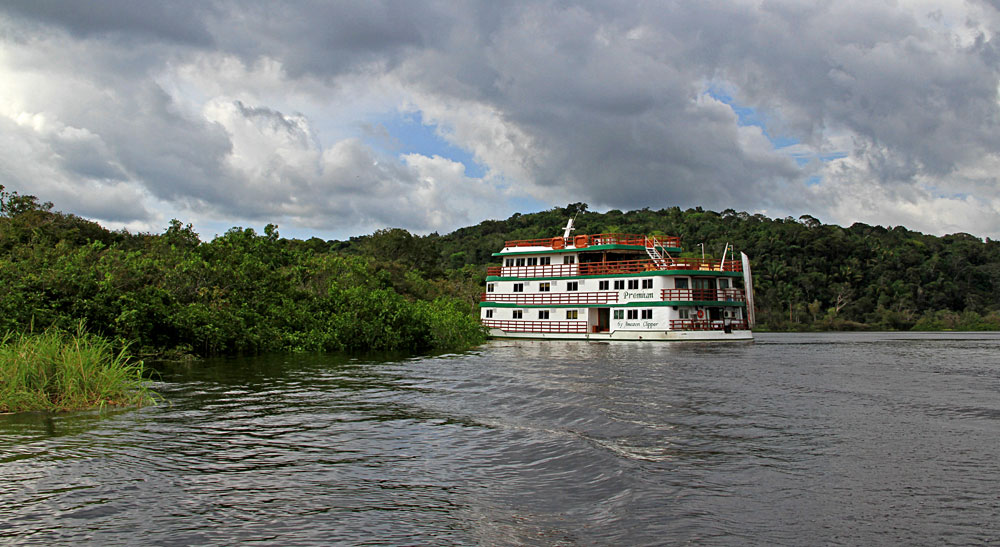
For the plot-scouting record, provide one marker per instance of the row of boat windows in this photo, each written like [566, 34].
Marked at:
[542, 314]
[688, 313]
[633, 314]
[683, 313]
[547, 287]
[619, 285]
[536, 261]
[575, 314]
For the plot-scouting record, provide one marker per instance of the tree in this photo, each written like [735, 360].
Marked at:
[13, 204]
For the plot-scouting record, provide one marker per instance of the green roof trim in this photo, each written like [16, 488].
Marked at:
[641, 304]
[610, 247]
[701, 273]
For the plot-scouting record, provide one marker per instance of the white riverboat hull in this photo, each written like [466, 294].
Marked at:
[610, 287]
[625, 335]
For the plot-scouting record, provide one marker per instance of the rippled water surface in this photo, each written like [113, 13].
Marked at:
[794, 439]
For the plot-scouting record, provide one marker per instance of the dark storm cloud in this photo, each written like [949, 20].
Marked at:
[179, 158]
[617, 104]
[174, 21]
[877, 73]
[613, 103]
[621, 112]
[276, 120]
[327, 38]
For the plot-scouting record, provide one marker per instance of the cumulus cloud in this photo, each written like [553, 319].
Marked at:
[882, 112]
[279, 168]
[31, 149]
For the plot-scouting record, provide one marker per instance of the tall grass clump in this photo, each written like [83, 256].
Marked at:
[58, 370]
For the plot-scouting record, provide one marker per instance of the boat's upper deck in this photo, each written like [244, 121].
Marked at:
[592, 242]
[620, 267]
[601, 255]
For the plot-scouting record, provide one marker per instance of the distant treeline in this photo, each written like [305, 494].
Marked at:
[242, 292]
[245, 292]
[807, 275]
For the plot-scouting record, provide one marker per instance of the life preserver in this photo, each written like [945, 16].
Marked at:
[558, 243]
[701, 313]
[580, 241]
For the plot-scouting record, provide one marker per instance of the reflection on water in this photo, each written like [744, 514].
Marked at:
[828, 438]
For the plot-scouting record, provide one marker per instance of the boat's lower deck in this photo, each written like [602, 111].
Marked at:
[634, 335]
[644, 321]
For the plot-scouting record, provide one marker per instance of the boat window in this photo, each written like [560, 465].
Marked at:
[647, 314]
[517, 314]
[704, 283]
[633, 284]
[632, 314]
[681, 282]
[572, 286]
[543, 287]
[519, 262]
[533, 261]
[603, 285]
[545, 260]
[489, 287]
[543, 314]
[619, 284]
[619, 314]
[509, 262]
[572, 314]
[723, 283]
[518, 287]
[647, 283]
[569, 260]
[489, 314]
[684, 313]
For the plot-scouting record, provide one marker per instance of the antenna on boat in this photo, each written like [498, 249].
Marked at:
[569, 228]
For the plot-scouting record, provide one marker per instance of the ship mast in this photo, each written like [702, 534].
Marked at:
[569, 228]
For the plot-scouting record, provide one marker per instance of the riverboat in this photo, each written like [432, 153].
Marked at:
[616, 287]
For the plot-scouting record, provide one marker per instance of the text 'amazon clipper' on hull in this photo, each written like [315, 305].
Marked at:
[616, 287]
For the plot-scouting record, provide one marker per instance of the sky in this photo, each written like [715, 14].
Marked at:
[335, 119]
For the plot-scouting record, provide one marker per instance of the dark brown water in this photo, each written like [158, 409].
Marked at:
[854, 439]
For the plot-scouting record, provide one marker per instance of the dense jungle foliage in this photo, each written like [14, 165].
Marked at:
[242, 292]
[807, 275]
[245, 292]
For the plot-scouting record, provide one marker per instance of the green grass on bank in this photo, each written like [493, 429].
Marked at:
[57, 370]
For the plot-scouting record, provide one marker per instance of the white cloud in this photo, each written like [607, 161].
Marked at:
[256, 112]
[283, 172]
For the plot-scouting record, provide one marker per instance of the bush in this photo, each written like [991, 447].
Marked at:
[56, 370]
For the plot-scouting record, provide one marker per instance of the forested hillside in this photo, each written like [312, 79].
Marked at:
[807, 275]
[242, 292]
[245, 292]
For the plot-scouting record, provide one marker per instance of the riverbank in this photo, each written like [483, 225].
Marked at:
[59, 371]
[887, 320]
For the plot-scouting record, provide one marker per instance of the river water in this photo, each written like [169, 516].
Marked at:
[853, 439]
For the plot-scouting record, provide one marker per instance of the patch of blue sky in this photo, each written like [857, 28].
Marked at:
[823, 158]
[409, 134]
[939, 192]
[747, 116]
[832, 156]
[526, 204]
[801, 159]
